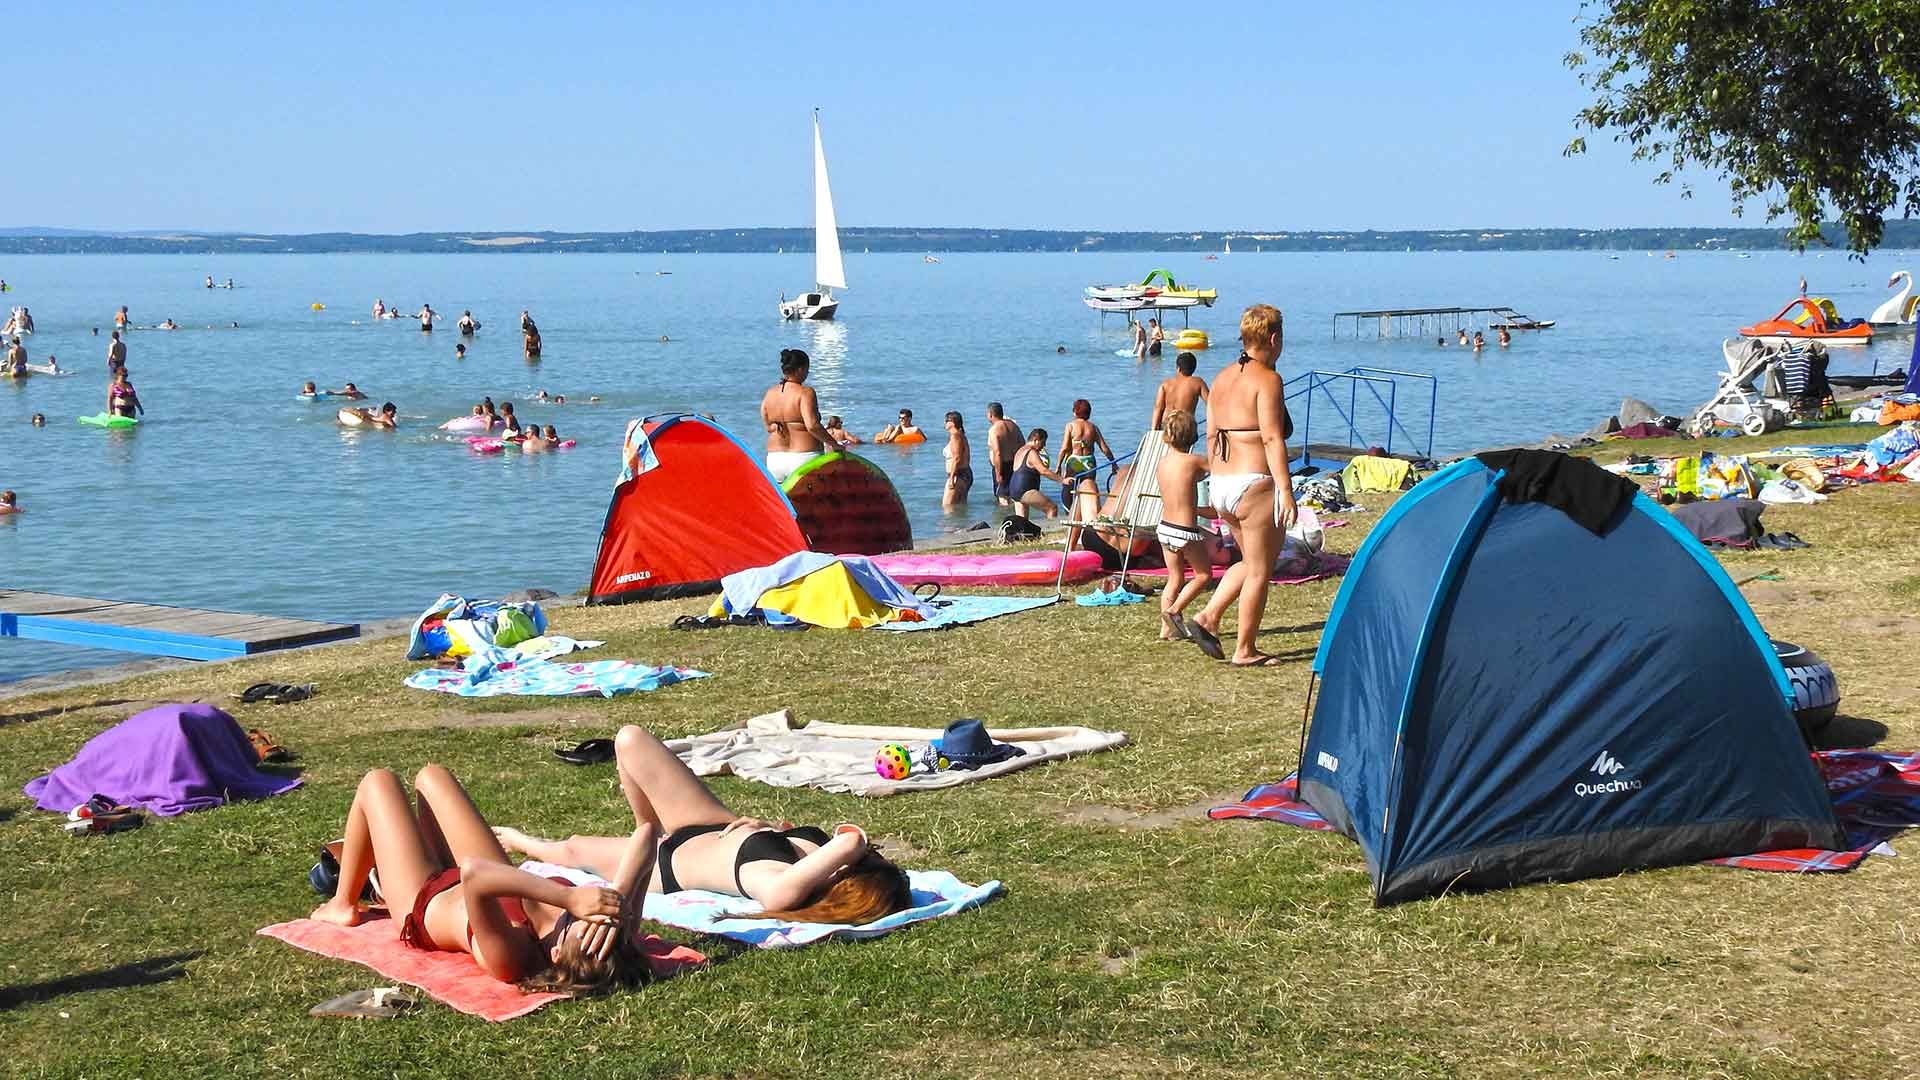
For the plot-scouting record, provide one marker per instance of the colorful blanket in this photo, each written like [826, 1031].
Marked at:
[936, 894]
[952, 611]
[450, 978]
[544, 678]
[1298, 570]
[1875, 795]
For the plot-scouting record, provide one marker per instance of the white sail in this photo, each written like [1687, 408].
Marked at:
[827, 269]
[1229, 248]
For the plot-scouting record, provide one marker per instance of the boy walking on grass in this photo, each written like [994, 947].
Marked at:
[1183, 543]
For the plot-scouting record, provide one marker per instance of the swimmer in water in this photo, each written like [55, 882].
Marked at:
[9, 502]
[487, 407]
[460, 351]
[506, 413]
[349, 391]
[426, 317]
[39, 419]
[229, 283]
[169, 324]
[468, 324]
[121, 398]
[541, 395]
[379, 308]
[209, 281]
[1479, 341]
[120, 318]
[387, 417]
[840, 434]
[308, 390]
[1506, 338]
[1463, 337]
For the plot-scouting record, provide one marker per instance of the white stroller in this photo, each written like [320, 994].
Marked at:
[1742, 399]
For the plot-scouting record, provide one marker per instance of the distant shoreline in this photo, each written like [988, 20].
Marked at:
[792, 241]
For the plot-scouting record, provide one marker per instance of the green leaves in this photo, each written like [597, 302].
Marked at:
[1812, 105]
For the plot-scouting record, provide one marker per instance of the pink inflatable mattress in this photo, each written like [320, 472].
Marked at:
[1010, 568]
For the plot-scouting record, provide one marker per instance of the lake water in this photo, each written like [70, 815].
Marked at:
[231, 494]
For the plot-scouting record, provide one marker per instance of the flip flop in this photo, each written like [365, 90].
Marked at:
[1173, 622]
[1206, 640]
[102, 824]
[290, 693]
[379, 1003]
[590, 752]
[1264, 661]
[258, 692]
[265, 748]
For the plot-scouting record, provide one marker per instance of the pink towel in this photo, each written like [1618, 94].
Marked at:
[451, 978]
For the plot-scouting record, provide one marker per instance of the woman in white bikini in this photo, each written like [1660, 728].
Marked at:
[1247, 455]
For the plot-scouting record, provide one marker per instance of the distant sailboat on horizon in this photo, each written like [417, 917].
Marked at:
[828, 271]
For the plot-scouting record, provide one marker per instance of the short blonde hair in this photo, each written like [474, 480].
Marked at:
[1260, 322]
[1178, 429]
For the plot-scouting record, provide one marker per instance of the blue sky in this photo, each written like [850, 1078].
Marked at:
[403, 118]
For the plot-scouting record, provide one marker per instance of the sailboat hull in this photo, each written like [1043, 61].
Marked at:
[814, 307]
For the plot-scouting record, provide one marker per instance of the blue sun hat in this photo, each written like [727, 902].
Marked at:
[965, 745]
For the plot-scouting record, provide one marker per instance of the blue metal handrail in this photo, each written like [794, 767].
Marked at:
[1313, 384]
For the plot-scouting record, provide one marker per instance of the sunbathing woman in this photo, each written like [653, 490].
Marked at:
[443, 873]
[802, 875]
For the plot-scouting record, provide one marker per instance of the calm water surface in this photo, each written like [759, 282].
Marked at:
[232, 494]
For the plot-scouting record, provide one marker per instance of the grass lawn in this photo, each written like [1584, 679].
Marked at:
[1136, 937]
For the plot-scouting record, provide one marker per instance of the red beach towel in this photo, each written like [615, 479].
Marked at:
[451, 978]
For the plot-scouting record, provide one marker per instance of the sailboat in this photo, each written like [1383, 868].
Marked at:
[1228, 250]
[828, 273]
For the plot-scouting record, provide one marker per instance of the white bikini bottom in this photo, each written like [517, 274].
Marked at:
[1229, 488]
[781, 463]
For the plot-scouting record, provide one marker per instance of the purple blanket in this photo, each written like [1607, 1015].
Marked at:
[169, 760]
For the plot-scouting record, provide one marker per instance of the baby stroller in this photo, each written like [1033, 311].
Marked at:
[1740, 401]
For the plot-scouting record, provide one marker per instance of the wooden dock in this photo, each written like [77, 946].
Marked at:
[154, 629]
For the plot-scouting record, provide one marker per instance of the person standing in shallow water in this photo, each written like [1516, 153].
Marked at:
[790, 412]
[1181, 392]
[959, 455]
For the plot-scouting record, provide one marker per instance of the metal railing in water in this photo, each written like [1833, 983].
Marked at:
[1384, 385]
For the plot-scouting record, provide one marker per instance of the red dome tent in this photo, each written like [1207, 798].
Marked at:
[693, 505]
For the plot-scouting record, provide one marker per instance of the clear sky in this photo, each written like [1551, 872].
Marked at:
[417, 117]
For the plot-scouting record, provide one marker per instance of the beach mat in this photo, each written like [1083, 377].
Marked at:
[773, 750]
[1295, 571]
[451, 978]
[936, 894]
[544, 678]
[955, 611]
[1875, 796]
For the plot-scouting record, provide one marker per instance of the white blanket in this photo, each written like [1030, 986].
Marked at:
[839, 757]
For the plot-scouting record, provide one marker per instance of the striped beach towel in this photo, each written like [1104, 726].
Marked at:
[1875, 795]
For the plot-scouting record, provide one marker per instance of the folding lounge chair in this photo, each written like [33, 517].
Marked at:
[1137, 508]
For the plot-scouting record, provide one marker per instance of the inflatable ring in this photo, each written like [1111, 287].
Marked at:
[319, 307]
[1192, 339]
[1816, 692]
[909, 439]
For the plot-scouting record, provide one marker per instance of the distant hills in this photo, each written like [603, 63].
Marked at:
[31, 240]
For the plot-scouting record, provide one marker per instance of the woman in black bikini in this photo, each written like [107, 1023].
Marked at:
[802, 875]
[446, 877]
[1029, 467]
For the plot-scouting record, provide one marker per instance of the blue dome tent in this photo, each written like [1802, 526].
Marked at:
[1532, 673]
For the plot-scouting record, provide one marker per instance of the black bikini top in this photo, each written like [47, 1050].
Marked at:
[772, 846]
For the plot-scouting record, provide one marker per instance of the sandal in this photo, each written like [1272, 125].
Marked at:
[288, 694]
[1206, 640]
[379, 1003]
[265, 748]
[1264, 661]
[119, 820]
[590, 752]
[258, 692]
[1172, 621]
